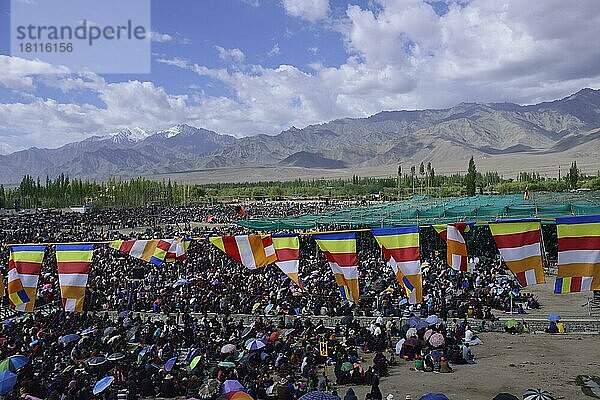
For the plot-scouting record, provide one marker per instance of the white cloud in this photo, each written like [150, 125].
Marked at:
[160, 37]
[46, 122]
[177, 61]
[310, 10]
[253, 3]
[235, 56]
[275, 50]
[400, 55]
[19, 73]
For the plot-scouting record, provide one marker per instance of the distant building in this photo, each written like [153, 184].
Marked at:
[81, 209]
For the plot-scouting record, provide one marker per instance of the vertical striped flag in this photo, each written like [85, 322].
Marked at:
[287, 249]
[519, 243]
[24, 267]
[177, 250]
[340, 251]
[252, 251]
[456, 253]
[400, 247]
[441, 229]
[153, 251]
[73, 261]
[578, 254]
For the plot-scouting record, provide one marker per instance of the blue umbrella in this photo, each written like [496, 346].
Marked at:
[103, 384]
[246, 332]
[255, 344]
[413, 321]
[180, 282]
[192, 354]
[95, 361]
[66, 339]
[421, 324]
[116, 357]
[7, 382]
[434, 396]
[231, 385]
[402, 301]
[14, 363]
[432, 319]
[109, 331]
[170, 364]
[317, 396]
[554, 317]
[88, 331]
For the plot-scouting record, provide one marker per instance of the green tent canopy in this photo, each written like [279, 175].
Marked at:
[425, 210]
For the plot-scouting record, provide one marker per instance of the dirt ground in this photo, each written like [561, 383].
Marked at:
[569, 306]
[511, 363]
[505, 363]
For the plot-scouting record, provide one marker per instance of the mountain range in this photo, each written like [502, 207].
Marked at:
[495, 133]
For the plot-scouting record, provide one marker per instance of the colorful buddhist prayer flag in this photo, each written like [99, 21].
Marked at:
[400, 247]
[340, 251]
[456, 253]
[24, 267]
[519, 243]
[73, 261]
[287, 249]
[177, 250]
[578, 254]
[441, 229]
[252, 251]
[153, 251]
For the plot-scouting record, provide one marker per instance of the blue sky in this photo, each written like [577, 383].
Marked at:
[245, 67]
[195, 29]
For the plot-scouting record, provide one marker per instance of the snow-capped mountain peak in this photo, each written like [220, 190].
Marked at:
[178, 130]
[129, 135]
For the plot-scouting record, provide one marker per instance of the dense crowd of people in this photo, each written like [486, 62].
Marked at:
[181, 301]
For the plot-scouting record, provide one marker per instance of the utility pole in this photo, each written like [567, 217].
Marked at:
[399, 180]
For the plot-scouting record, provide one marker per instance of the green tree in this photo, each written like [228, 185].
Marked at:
[429, 182]
[471, 178]
[399, 178]
[573, 176]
